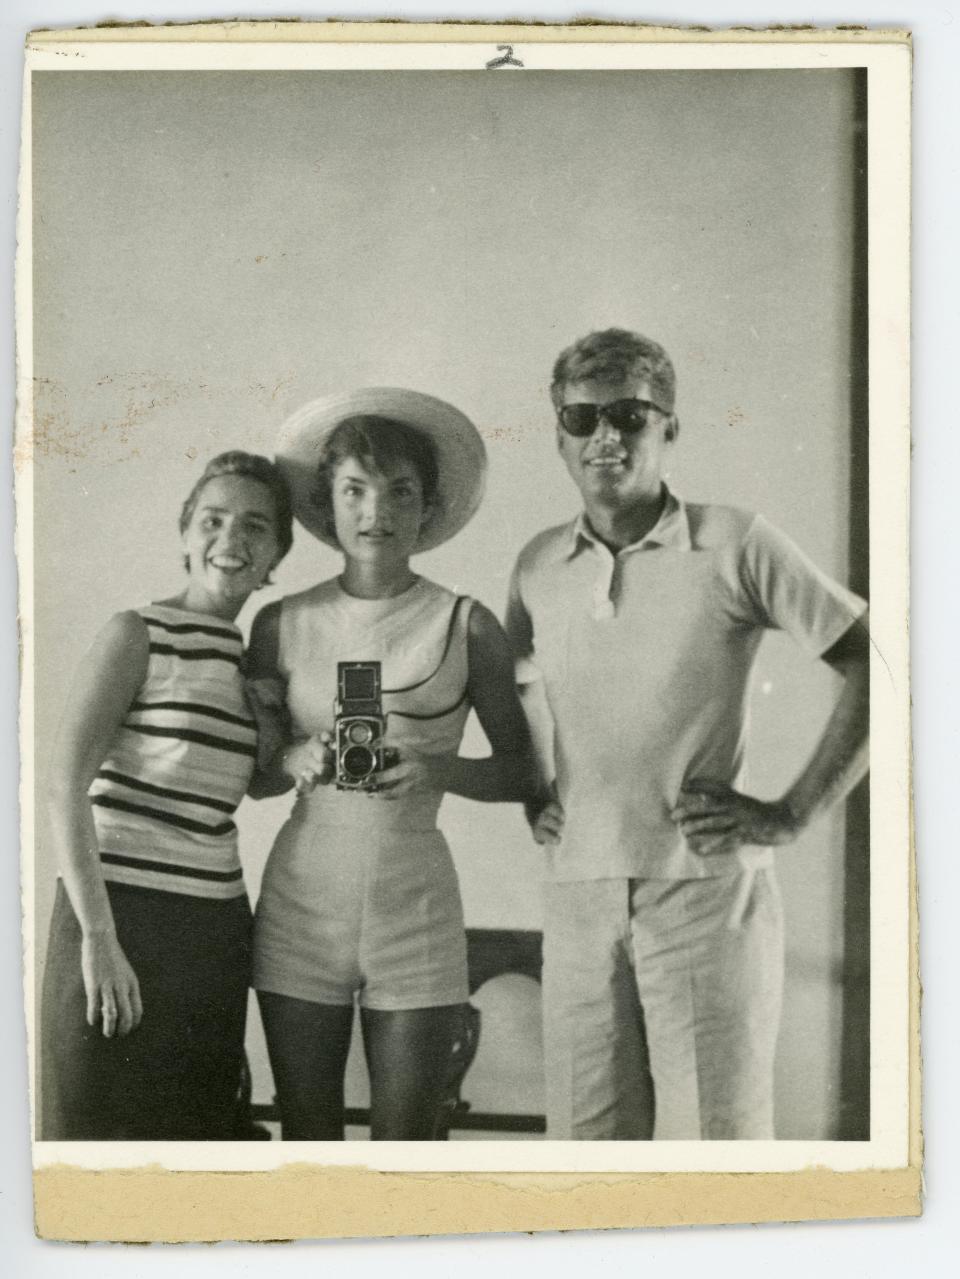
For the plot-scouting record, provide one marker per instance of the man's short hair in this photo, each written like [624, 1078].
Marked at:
[614, 354]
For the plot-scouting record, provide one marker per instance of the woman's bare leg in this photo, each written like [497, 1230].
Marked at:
[308, 1045]
[408, 1056]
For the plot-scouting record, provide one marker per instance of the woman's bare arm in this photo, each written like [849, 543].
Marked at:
[105, 686]
[261, 669]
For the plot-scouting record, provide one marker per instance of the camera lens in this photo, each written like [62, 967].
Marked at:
[358, 762]
[360, 734]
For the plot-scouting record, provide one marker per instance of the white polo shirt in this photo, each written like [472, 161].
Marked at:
[646, 658]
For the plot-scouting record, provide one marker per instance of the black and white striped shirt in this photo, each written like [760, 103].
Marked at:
[165, 796]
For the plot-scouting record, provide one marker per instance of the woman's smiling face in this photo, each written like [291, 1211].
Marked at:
[378, 515]
[231, 543]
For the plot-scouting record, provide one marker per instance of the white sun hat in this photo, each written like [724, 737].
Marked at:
[459, 448]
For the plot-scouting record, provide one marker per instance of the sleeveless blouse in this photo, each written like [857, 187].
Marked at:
[420, 639]
[164, 798]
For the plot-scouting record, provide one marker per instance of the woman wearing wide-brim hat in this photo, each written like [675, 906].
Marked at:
[360, 900]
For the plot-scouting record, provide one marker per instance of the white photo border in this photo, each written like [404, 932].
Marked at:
[888, 65]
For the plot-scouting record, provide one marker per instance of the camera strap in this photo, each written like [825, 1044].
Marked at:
[447, 710]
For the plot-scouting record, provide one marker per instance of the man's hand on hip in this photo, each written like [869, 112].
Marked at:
[715, 818]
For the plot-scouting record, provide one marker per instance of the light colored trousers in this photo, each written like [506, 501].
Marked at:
[661, 1007]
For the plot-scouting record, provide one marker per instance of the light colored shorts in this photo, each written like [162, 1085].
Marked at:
[661, 1007]
[372, 915]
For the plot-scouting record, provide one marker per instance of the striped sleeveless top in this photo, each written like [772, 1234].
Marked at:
[164, 798]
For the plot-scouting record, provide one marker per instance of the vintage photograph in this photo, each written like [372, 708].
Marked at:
[448, 489]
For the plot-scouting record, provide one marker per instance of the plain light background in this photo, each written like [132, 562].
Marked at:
[886, 1248]
[212, 249]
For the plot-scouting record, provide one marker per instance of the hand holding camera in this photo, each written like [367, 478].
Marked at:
[409, 771]
[310, 763]
[363, 760]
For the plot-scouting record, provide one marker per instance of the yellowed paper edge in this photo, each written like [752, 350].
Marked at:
[589, 31]
[304, 1201]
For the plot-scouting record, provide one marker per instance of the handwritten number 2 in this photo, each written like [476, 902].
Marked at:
[506, 59]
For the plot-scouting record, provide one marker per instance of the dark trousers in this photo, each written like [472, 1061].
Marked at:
[175, 1078]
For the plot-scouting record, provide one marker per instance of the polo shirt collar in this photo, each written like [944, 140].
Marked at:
[672, 530]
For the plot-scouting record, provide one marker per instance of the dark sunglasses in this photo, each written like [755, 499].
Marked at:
[626, 416]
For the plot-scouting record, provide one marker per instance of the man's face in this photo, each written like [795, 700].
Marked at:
[611, 467]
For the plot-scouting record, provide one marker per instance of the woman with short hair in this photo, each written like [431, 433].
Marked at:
[147, 970]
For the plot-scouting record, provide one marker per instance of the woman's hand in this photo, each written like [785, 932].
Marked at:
[310, 763]
[410, 772]
[113, 992]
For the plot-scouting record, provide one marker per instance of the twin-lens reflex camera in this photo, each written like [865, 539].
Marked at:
[359, 726]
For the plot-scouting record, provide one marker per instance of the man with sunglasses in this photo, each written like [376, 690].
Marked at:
[635, 629]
